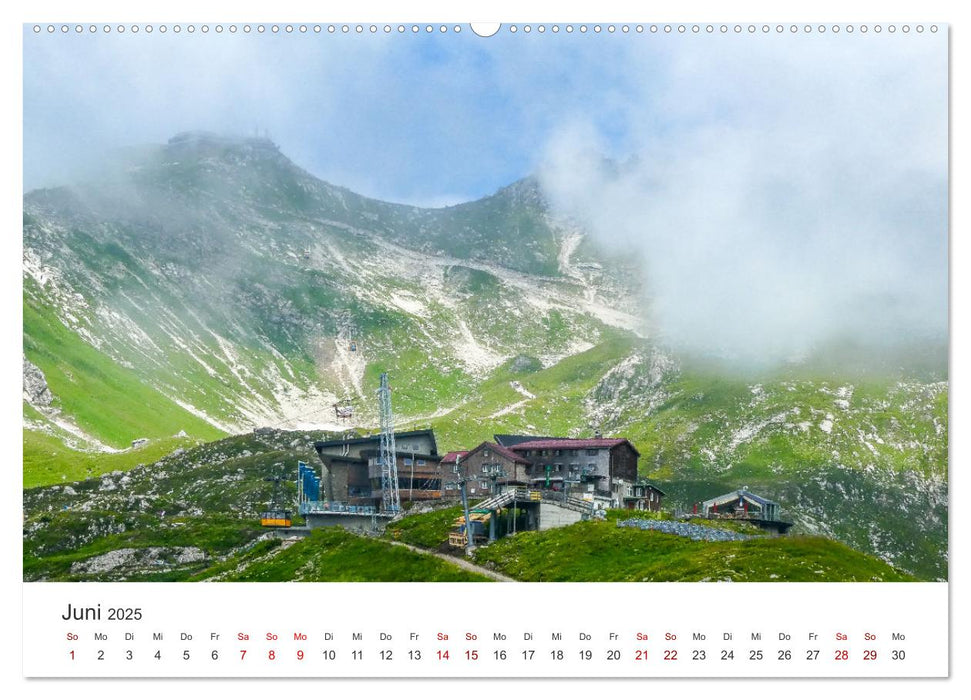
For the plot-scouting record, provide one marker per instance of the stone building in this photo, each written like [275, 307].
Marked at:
[488, 468]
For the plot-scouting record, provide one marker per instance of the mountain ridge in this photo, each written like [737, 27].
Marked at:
[209, 289]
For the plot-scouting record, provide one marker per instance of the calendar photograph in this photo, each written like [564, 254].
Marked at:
[468, 303]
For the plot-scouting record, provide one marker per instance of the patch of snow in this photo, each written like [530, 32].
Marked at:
[198, 413]
[408, 303]
[521, 389]
[574, 347]
[747, 432]
[509, 409]
[478, 359]
[73, 429]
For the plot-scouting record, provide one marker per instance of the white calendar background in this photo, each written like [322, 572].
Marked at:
[919, 611]
[494, 630]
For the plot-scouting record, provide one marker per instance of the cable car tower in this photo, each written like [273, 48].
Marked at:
[390, 499]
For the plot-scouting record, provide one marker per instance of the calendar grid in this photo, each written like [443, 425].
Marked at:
[654, 630]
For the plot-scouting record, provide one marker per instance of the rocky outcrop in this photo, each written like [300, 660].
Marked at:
[139, 559]
[36, 391]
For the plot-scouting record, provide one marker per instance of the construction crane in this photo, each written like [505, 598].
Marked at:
[390, 498]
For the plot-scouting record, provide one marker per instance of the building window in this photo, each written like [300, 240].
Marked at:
[593, 452]
[421, 463]
[484, 484]
[407, 461]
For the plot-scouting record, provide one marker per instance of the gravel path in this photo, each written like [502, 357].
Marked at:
[462, 563]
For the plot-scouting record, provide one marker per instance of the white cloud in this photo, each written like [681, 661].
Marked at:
[786, 194]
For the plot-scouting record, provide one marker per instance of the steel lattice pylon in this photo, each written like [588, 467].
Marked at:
[390, 499]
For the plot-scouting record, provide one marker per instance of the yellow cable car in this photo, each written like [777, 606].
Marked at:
[275, 518]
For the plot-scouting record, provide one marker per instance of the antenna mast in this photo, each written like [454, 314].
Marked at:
[390, 499]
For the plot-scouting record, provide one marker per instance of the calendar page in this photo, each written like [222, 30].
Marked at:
[373, 348]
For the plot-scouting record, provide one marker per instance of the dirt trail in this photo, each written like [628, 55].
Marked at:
[461, 563]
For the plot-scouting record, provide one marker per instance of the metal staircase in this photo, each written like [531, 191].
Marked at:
[526, 495]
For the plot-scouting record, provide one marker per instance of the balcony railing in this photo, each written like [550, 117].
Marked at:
[321, 507]
[411, 494]
[426, 471]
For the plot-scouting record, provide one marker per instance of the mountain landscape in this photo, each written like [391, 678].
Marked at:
[187, 294]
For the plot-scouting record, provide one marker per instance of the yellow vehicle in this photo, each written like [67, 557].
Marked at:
[275, 518]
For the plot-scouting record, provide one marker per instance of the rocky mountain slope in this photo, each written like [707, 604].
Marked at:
[246, 292]
[209, 286]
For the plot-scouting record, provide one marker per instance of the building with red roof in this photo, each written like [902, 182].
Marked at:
[602, 467]
[451, 458]
[490, 466]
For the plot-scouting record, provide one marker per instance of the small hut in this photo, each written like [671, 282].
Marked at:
[742, 504]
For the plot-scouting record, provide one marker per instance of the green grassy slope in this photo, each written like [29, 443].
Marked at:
[558, 408]
[124, 407]
[429, 530]
[47, 461]
[600, 551]
[61, 542]
[170, 502]
[336, 555]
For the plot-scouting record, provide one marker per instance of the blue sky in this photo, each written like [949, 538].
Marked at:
[436, 117]
[426, 118]
[802, 177]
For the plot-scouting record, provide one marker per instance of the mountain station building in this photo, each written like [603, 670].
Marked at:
[351, 471]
